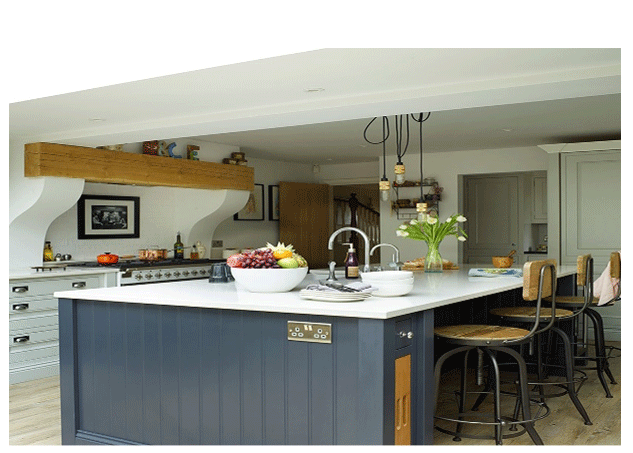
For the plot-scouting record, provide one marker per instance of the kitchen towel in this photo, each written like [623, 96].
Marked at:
[605, 288]
[495, 272]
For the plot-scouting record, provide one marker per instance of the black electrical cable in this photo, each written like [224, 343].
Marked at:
[385, 136]
[421, 120]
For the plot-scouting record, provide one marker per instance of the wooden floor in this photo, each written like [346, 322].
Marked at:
[34, 416]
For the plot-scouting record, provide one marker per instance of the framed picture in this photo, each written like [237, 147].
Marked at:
[273, 202]
[108, 217]
[254, 209]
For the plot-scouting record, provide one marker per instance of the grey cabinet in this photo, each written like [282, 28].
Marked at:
[33, 324]
[539, 198]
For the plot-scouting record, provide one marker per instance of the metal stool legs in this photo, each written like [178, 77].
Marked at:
[494, 381]
[602, 362]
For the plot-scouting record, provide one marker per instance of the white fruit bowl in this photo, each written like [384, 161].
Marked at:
[269, 280]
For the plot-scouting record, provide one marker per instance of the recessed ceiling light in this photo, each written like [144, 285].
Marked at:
[96, 120]
[507, 130]
[313, 90]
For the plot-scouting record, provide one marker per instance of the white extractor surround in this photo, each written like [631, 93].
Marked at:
[36, 203]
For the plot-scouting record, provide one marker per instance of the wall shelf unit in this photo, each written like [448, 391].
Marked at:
[405, 208]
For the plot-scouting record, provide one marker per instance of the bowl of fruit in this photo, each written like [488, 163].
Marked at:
[270, 269]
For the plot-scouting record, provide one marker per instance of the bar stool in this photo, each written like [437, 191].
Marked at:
[528, 315]
[490, 340]
[576, 303]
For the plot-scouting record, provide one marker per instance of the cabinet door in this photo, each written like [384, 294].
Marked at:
[591, 206]
[493, 209]
[539, 199]
[403, 401]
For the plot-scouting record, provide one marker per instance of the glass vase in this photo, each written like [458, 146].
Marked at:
[433, 260]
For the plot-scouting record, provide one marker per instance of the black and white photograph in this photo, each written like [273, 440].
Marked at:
[108, 217]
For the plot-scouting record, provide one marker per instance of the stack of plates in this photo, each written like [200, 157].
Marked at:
[333, 296]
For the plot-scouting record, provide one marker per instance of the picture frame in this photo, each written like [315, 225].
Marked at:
[254, 209]
[108, 217]
[273, 202]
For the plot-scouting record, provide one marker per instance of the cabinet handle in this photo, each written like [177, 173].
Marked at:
[408, 335]
[21, 307]
[20, 289]
[79, 284]
[22, 339]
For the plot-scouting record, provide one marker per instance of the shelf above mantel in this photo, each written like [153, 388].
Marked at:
[106, 166]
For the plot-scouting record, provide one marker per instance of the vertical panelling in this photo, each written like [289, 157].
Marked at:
[251, 379]
[169, 395]
[372, 401]
[275, 345]
[321, 395]
[152, 360]
[101, 333]
[166, 375]
[297, 387]
[230, 405]
[345, 344]
[210, 330]
[86, 366]
[189, 376]
[118, 362]
[134, 372]
[423, 384]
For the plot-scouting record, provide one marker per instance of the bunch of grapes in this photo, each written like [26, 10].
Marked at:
[262, 258]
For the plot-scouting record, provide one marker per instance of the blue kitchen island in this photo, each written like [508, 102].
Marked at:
[198, 363]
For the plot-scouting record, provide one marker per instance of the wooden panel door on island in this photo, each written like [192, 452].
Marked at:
[304, 220]
[402, 412]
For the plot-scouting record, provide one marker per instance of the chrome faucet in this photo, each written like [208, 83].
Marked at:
[330, 244]
[395, 257]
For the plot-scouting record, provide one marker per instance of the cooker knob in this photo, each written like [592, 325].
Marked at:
[185, 273]
[138, 277]
[167, 274]
[203, 271]
[194, 273]
[148, 275]
[176, 274]
[159, 275]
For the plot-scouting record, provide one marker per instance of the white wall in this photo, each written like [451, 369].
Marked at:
[253, 233]
[446, 167]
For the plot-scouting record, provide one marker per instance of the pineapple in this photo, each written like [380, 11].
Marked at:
[281, 250]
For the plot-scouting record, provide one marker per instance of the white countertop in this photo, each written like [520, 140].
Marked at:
[59, 273]
[430, 291]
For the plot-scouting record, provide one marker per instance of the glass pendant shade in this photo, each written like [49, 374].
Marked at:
[384, 187]
[399, 171]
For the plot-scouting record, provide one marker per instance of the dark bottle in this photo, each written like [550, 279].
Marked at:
[179, 248]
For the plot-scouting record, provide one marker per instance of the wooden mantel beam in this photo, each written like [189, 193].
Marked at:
[106, 166]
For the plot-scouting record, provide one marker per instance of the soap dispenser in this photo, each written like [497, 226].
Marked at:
[351, 262]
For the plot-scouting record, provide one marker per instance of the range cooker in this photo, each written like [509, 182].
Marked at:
[136, 272]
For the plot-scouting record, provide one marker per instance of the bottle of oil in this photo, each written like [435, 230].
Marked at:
[48, 251]
[179, 248]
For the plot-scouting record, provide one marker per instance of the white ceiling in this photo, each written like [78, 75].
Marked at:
[267, 106]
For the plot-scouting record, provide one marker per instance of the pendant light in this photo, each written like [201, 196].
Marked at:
[421, 206]
[399, 169]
